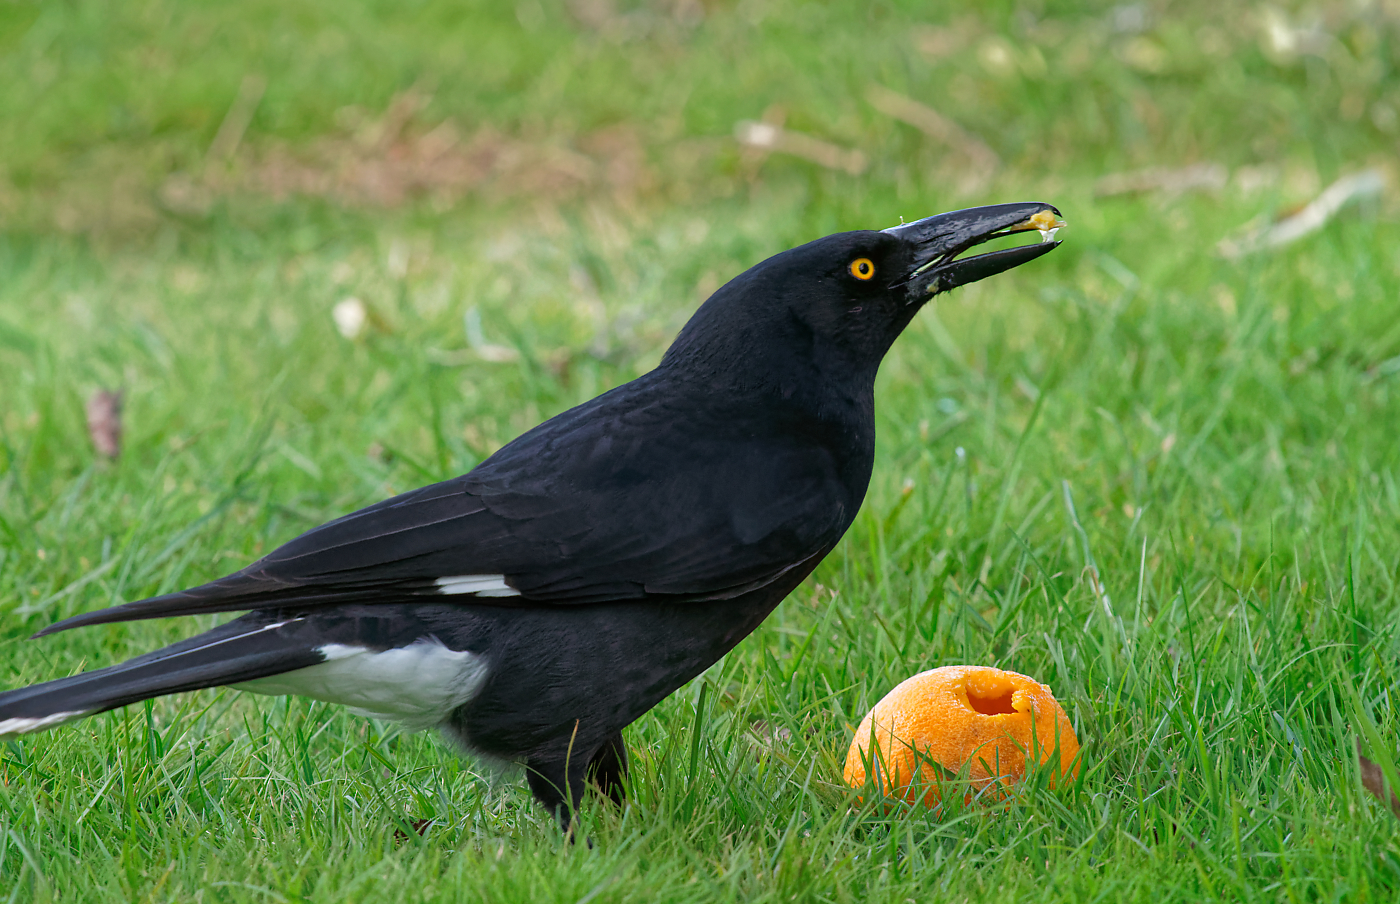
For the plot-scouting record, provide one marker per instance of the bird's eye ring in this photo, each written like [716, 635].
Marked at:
[862, 268]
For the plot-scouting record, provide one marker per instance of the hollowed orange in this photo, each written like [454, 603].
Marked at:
[956, 716]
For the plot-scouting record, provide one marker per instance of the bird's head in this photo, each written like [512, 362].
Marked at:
[830, 309]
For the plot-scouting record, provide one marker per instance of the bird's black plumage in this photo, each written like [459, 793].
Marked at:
[535, 606]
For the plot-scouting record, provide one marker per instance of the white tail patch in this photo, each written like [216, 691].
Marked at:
[18, 726]
[418, 685]
[477, 584]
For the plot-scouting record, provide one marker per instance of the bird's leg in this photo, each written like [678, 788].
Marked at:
[549, 781]
[608, 769]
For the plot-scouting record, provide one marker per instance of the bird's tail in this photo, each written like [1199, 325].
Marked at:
[245, 649]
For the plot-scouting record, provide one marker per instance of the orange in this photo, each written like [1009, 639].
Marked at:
[955, 716]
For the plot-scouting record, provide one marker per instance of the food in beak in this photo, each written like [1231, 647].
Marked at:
[1045, 222]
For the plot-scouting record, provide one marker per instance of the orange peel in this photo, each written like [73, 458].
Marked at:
[960, 716]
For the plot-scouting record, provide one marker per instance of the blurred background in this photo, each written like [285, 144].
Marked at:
[564, 181]
[151, 120]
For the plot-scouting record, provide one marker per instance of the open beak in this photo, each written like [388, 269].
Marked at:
[939, 239]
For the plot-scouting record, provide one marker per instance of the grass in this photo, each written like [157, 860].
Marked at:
[1163, 482]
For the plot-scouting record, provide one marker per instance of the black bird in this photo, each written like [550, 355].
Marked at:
[535, 606]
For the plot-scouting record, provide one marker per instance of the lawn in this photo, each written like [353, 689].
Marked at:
[1161, 479]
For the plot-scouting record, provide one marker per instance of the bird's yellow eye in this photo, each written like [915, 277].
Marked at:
[862, 268]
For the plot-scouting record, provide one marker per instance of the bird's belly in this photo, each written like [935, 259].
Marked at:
[418, 685]
[577, 675]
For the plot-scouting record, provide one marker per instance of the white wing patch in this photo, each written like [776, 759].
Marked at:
[418, 685]
[18, 726]
[478, 584]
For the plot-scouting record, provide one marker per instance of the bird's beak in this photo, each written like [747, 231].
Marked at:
[939, 240]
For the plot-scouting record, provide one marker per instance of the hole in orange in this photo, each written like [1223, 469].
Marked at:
[998, 704]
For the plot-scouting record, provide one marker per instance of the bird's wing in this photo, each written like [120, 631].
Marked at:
[628, 503]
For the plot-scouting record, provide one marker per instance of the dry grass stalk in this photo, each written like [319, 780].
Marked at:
[104, 421]
[1172, 180]
[1373, 780]
[1365, 185]
[765, 136]
[936, 126]
[236, 120]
